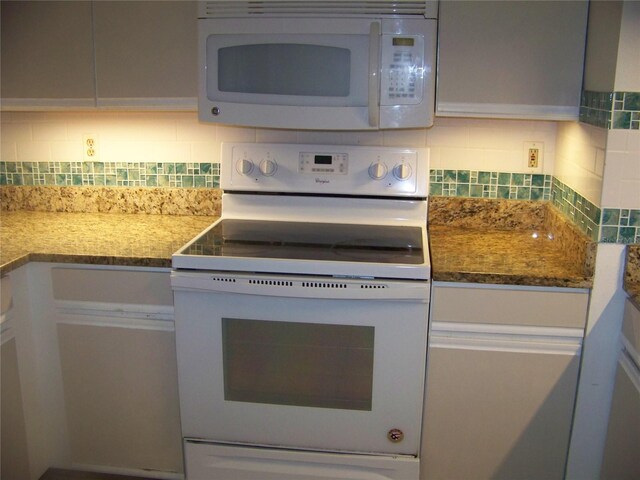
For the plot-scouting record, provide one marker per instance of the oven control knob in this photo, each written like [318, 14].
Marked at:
[402, 171]
[268, 167]
[377, 171]
[394, 435]
[244, 166]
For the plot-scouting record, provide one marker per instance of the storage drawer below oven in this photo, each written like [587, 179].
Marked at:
[211, 461]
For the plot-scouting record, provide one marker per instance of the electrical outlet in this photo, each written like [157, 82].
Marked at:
[533, 153]
[90, 147]
[533, 157]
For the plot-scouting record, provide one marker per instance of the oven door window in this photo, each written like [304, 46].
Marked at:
[302, 364]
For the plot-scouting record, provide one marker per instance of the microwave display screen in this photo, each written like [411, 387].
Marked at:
[285, 69]
[403, 42]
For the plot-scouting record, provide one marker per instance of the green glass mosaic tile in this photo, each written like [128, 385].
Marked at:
[611, 110]
[124, 174]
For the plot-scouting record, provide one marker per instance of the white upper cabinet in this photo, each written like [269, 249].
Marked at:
[46, 55]
[68, 54]
[511, 59]
[146, 54]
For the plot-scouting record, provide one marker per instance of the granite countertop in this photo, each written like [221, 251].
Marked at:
[502, 257]
[472, 240]
[507, 242]
[632, 273]
[94, 238]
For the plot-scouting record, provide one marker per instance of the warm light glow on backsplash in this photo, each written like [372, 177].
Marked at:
[475, 144]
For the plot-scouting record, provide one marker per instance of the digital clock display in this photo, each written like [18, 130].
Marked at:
[402, 41]
[323, 160]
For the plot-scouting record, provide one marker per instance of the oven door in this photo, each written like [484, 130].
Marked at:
[319, 364]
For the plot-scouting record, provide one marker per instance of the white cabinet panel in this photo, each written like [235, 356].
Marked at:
[146, 54]
[540, 307]
[81, 54]
[47, 54]
[511, 59]
[118, 363]
[502, 373]
[121, 397]
[497, 415]
[14, 453]
[621, 460]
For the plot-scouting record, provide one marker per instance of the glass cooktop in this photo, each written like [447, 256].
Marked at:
[310, 241]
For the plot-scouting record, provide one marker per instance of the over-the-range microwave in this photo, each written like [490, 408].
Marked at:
[322, 65]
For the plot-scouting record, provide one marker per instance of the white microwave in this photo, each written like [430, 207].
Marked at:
[318, 65]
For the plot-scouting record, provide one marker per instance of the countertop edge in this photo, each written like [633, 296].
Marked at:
[84, 260]
[508, 279]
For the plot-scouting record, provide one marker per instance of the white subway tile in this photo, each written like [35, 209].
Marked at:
[633, 140]
[235, 134]
[617, 140]
[268, 135]
[416, 137]
[66, 151]
[33, 151]
[447, 136]
[8, 152]
[205, 152]
[629, 194]
[49, 131]
[190, 130]
[164, 152]
[123, 151]
[16, 132]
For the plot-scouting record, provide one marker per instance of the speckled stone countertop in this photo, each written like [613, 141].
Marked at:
[94, 238]
[507, 242]
[632, 273]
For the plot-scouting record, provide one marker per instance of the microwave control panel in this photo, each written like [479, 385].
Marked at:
[402, 78]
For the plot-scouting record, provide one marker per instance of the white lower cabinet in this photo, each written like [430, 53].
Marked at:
[502, 372]
[94, 357]
[118, 363]
[14, 454]
[621, 459]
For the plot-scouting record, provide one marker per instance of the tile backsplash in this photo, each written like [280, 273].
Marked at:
[482, 184]
[611, 110]
[475, 158]
[111, 174]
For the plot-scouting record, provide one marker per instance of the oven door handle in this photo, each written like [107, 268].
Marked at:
[374, 74]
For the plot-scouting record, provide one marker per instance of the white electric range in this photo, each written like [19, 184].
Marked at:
[302, 314]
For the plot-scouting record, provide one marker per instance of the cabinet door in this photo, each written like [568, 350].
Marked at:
[146, 54]
[497, 414]
[118, 362]
[46, 54]
[511, 59]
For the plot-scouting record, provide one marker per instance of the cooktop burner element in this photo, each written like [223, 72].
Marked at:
[310, 241]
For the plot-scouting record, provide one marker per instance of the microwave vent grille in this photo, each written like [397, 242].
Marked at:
[228, 8]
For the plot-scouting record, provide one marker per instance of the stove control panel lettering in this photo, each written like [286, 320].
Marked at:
[324, 163]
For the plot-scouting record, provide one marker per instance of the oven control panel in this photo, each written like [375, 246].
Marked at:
[324, 163]
[325, 169]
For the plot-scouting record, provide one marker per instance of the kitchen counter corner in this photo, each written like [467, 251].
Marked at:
[94, 238]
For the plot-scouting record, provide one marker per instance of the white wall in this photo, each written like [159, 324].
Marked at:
[470, 144]
[580, 158]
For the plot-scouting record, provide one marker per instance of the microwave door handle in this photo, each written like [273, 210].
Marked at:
[374, 74]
